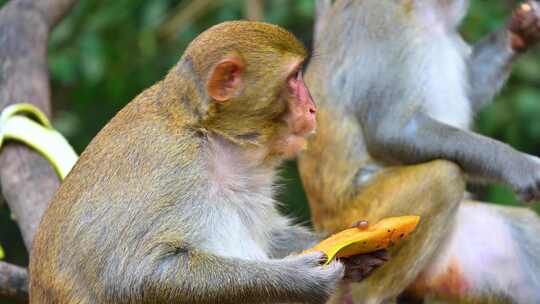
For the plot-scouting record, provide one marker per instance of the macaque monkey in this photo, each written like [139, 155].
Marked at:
[172, 202]
[397, 89]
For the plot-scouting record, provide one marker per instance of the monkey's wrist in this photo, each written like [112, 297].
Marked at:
[517, 43]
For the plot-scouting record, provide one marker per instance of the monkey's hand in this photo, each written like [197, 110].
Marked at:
[522, 173]
[321, 280]
[359, 267]
[524, 26]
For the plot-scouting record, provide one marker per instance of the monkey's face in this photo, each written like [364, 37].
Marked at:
[301, 108]
[300, 114]
[254, 82]
[285, 104]
[266, 104]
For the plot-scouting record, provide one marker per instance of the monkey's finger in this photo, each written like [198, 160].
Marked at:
[536, 192]
[526, 195]
[533, 193]
[357, 276]
[531, 30]
[381, 254]
[523, 17]
[364, 260]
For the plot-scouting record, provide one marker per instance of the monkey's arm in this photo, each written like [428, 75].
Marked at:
[420, 138]
[292, 239]
[491, 60]
[199, 277]
[489, 66]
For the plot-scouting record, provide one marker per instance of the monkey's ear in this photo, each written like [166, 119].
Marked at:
[226, 78]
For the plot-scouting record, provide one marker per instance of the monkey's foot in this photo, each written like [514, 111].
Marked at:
[525, 26]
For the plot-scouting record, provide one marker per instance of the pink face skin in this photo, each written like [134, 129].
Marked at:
[301, 115]
[302, 109]
[226, 80]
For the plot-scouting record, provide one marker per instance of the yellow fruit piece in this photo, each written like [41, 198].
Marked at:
[27, 124]
[354, 241]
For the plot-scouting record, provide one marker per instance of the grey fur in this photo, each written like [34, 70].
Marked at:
[418, 85]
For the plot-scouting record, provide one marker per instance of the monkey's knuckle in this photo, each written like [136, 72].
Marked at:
[336, 270]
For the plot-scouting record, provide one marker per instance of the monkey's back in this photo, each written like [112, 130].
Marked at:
[97, 217]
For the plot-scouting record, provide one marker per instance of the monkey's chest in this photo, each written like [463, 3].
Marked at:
[238, 234]
[444, 86]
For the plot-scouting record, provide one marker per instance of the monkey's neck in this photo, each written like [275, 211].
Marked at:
[236, 168]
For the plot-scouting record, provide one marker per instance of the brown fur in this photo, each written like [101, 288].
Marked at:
[119, 228]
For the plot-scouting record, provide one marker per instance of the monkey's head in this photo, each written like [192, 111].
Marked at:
[250, 87]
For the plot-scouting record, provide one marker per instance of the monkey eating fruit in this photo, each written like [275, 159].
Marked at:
[172, 202]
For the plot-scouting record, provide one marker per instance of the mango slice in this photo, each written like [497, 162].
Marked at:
[354, 241]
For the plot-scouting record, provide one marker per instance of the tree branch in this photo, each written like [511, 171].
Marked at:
[183, 15]
[54, 10]
[13, 282]
[27, 180]
[254, 10]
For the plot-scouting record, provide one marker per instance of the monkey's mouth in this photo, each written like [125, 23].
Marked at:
[305, 130]
[308, 134]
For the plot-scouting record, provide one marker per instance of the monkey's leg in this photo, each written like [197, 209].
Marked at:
[491, 255]
[432, 191]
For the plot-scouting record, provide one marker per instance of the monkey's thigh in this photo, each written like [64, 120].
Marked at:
[433, 191]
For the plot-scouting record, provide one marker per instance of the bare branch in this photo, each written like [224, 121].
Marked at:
[54, 10]
[185, 14]
[254, 10]
[26, 179]
[13, 282]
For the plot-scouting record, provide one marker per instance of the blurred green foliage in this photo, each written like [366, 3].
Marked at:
[106, 52]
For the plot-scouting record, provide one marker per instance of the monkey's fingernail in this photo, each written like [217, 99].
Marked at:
[361, 224]
[381, 254]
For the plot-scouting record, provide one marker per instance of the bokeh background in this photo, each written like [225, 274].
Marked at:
[106, 52]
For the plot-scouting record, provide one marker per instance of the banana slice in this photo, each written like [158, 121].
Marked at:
[354, 241]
